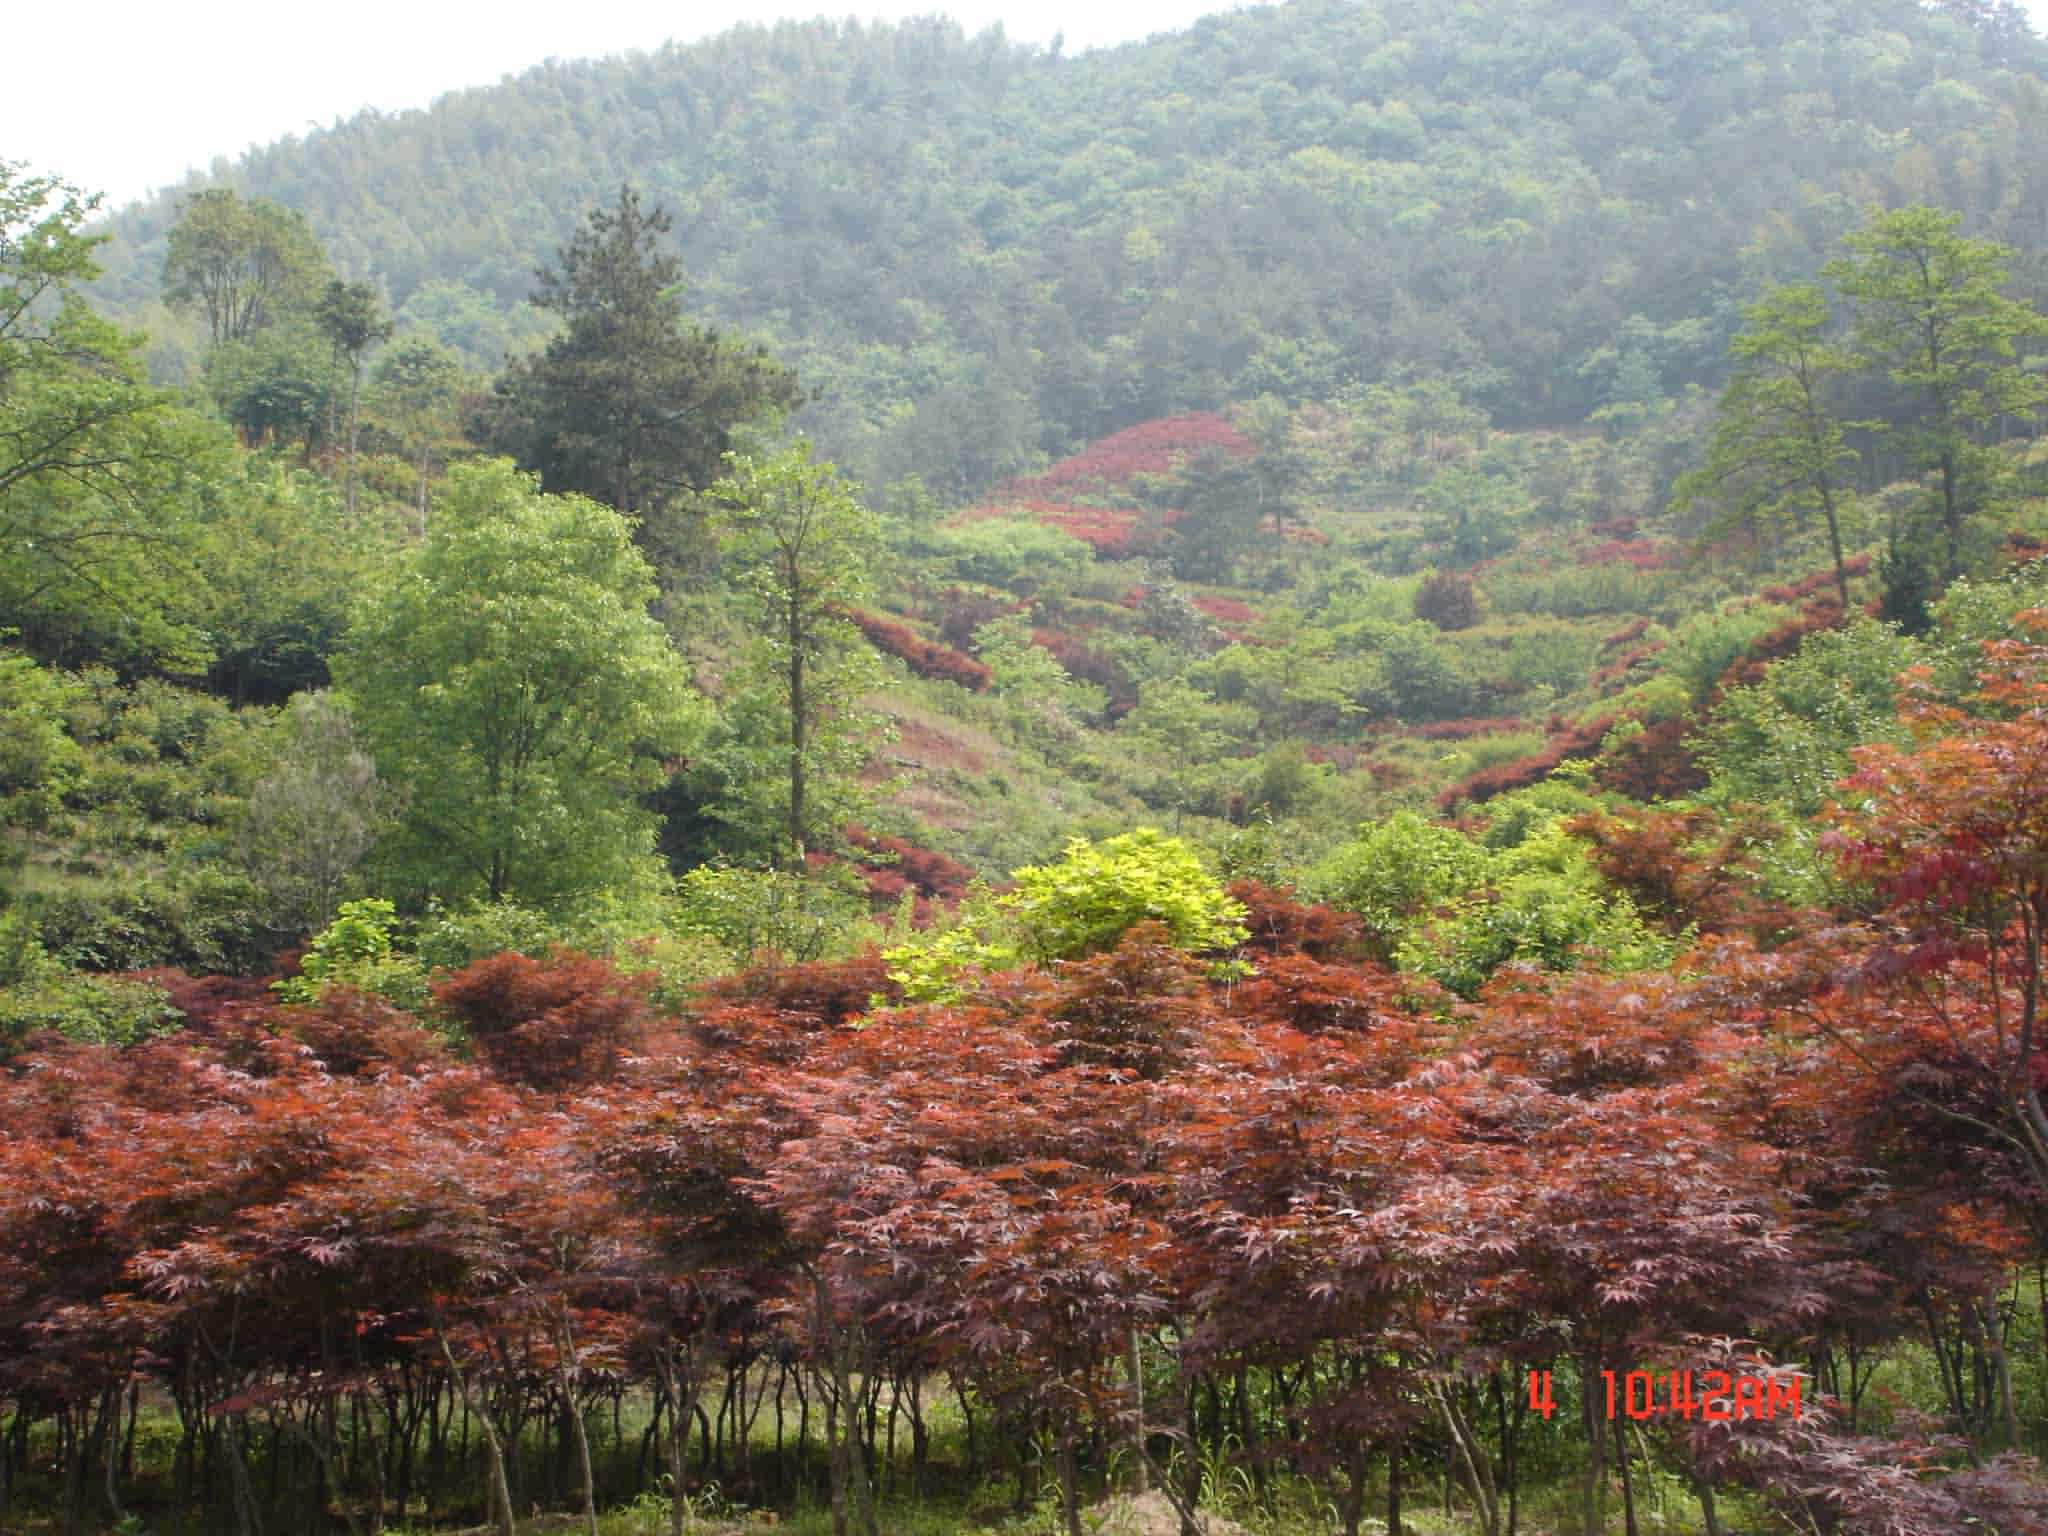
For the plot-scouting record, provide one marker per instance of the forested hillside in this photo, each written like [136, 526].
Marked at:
[979, 255]
[1375, 860]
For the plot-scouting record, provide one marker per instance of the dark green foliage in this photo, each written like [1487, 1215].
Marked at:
[629, 404]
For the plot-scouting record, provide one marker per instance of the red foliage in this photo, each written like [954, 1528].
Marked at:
[1686, 868]
[1280, 925]
[357, 1035]
[822, 994]
[1657, 765]
[929, 873]
[1747, 669]
[1574, 741]
[1814, 585]
[1151, 448]
[1086, 664]
[1227, 610]
[1619, 668]
[962, 612]
[1628, 634]
[206, 1001]
[924, 657]
[1446, 599]
[1640, 554]
[550, 1023]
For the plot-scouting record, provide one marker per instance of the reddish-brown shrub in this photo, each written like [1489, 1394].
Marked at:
[1628, 634]
[1310, 995]
[1280, 925]
[822, 994]
[1150, 448]
[1619, 668]
[1446, 599]
[1819, 582]
[1657, 765]
[1749, 667]
[358, 1035]
[1573, 741]
[1086, 664]
[931, 874]
[927, 658]
[550, 1023]
[962, 612]
[207, 1001]
[1227, 610]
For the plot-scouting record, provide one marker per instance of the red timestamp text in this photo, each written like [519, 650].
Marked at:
[1716, 1397]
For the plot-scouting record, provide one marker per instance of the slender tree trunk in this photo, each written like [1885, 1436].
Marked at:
[355, 380]
[1134, 1364]
[501, 1492]
[565, 1363]
[797, 742]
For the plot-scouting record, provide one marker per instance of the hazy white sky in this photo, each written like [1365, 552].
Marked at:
[122, 97]
[125, 95]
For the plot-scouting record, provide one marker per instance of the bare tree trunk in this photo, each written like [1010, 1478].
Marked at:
[501, 1492]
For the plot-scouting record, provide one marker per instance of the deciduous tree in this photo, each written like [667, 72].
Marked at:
[511, 680]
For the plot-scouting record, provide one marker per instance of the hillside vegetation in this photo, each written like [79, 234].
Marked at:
[979, 255]
[1287, 781]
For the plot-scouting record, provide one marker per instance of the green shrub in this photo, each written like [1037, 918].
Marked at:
[1086, 902]
[37, 995]
[356, 951]
[1393, 873]
[1080, 906]
[752, 911]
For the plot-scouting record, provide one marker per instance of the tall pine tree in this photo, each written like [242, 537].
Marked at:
[630, 404]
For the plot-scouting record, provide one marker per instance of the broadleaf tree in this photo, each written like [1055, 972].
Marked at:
[1931, 310]
[512, 682]
[800, 545]
[99, 473]
[1780, 452]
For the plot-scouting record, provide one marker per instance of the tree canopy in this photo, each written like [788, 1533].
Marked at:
[510, 681]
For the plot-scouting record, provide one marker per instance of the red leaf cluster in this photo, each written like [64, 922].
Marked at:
[1446, 599]
[1816, 584]
[1086, 664]
[1150, 448]
[565, 1020]
[926, 658]
[1655, 765]
[1574, 741]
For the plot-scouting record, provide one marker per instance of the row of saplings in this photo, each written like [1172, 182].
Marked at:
[1297, 1220]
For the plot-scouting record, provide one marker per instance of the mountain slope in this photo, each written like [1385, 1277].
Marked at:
[981, 255]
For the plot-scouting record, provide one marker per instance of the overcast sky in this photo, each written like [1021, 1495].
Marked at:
[125, 95]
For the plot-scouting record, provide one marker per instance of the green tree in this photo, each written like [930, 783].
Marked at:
[352, 318]
[244, 265]
[800, 542]
[416, 388]
[312, 818]
[1931, 312]
[98, 471]
[629, 404]
[1779, 452]
[510, 681]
